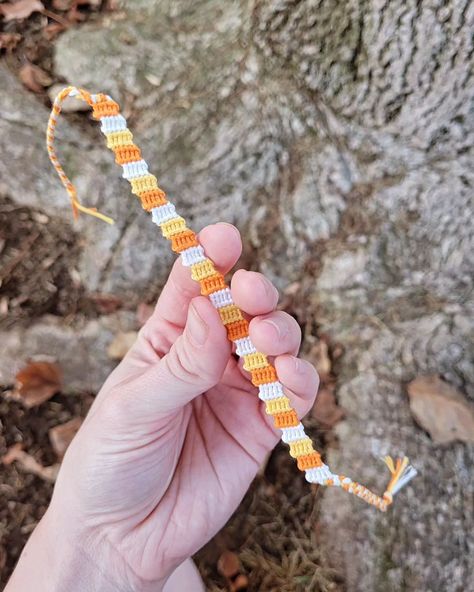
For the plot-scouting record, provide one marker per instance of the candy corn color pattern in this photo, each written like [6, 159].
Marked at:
[185, 243]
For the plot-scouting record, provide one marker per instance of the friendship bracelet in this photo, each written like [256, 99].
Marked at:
[185, 243]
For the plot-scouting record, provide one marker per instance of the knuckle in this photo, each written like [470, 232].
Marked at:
[185, 365]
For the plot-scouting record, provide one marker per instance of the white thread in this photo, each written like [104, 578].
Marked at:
[321, 475]
[244, 346]
[221, 298]
[163, 213]
[293, 434]
[192, 255]
[113, 123]
[406, 477]
[315, 475]
[270, 390]
[132, 170]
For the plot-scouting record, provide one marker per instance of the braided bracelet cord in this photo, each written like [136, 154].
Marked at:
[185, 242]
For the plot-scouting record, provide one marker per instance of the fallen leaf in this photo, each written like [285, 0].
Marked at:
[105, 303]
[9, 41]
[228, 564]
[326, 410]
[34, 78]
[20, 10]
[441, 410]
[120, 344]
[36, 383]
[319, 356]
[29, 464]
[61, 435]
[144, 312]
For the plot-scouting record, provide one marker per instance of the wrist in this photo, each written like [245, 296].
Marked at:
[55, 560]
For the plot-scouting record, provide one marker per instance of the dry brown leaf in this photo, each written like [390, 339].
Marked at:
[228, 564]
[441, 410]
[36, 383]
[120, 344]
[29, 464]
[319, 356]
[9, 41]
[326, 410]
[144, 312]
[61, 435]
[34, 78]
[20, 10]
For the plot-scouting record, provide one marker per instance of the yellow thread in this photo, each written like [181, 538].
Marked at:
[277, 405]
[255, 361]
[301, 447]
[397, 471]
[230, 314]
[202, 270]
[117, 139]
[142, 184]
[173, 226]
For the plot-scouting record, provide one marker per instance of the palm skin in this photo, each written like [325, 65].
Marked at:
[177, 433]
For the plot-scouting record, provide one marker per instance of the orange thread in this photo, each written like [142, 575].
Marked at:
[152, 199]
[105, 108]
[263, 375]
[309, 461]
[183, 240]
[286, 419]
[212, 284]
[237, 330]
[125, 154]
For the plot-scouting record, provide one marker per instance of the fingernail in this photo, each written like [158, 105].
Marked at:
[198, 329]
[231, 226]
[280, 331]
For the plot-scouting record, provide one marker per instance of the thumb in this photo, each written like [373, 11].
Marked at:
[194, 364]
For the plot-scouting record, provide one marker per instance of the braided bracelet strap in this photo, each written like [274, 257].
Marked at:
[185, 242]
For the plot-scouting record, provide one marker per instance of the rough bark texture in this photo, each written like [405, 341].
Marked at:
[338, 136]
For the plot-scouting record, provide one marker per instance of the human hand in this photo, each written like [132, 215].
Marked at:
[177, 433]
